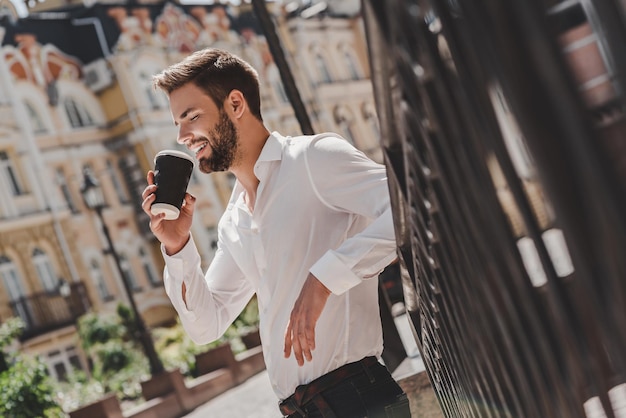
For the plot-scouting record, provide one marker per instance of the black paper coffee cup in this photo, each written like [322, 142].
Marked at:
[172, 171]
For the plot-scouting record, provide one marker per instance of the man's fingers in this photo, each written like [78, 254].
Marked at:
[150, 177]
[297, 349]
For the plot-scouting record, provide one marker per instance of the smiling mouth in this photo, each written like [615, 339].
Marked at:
[197, 150]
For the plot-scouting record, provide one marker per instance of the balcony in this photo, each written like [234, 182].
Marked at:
[48, 311]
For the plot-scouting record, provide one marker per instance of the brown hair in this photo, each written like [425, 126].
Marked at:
[217, 72]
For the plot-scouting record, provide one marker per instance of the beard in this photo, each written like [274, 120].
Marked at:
[224, 146]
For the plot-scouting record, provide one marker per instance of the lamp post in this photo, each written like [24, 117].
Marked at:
[94, 200]
[66, 291]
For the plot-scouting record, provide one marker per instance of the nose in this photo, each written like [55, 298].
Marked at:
[184, 135]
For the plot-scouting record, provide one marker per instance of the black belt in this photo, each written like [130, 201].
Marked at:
[305, 394]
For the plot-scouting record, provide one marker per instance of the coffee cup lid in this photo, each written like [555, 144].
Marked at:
[175, 153]
[170, 211]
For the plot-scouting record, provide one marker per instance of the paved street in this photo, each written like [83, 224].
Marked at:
[252, 399]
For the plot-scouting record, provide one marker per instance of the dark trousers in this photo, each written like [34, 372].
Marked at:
[356, 390]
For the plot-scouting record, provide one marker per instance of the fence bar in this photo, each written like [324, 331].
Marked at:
[507, 177]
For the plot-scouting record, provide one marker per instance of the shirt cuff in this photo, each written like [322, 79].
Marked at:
[334, 274]
[175, 273]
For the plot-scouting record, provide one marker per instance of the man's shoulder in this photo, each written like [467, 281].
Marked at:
[298, 146]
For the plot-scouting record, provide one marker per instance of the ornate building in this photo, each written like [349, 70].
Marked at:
[76, 95]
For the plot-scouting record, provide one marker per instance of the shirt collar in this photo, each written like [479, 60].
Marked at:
[272, 151]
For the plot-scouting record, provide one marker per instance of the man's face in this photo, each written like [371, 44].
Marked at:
[204, 128]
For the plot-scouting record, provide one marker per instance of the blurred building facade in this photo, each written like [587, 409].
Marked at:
[76, 95]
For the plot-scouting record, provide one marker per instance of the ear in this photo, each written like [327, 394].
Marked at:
[237, 103]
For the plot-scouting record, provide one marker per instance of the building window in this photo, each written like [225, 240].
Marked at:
[151, 94]
[99, 282]
[35, 119]
[62, 363]
[8, 171]
[77, 114]
[148, 268]
[351, 64]
[45, 270]
[120, 189]
[371, 118]
[322, 69]
[344, 120]
[65, 190]
[13, 285]
[128, 273]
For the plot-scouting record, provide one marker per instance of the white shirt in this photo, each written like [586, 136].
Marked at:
[322, 207]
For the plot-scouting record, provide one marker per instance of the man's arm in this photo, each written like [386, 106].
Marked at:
[347, 181]
[206, 303]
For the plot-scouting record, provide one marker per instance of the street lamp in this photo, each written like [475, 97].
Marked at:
[94, 200]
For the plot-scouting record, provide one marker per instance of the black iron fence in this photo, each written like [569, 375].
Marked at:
[48, 311]
[504, 134]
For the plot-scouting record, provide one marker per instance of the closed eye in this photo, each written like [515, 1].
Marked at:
[194, 117]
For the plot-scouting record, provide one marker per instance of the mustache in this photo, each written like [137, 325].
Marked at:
[198, 140]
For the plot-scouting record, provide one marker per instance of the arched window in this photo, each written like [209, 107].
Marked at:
[120, 188]
[98, 281]
[344, 119]
[65, 189]
[322, 68]
[148, 268]
[8, 171]
[77, 114]
[35, 119]
[154, 97]
[351, 64]
[14, 287]
[370, 116]
[274, 80]
[45, 270]
[129, 276]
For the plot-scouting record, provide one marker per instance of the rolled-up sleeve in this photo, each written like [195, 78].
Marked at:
[346, 180]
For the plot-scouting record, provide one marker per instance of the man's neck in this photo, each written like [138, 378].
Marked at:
[244, 171]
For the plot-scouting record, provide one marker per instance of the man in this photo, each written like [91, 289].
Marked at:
[308, 229]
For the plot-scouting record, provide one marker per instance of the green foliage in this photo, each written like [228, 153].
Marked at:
[26, 388]
[118, 364]
[126, 383]
[113, 356]
[127, 320]
[248, 319]
[94, 329]
[78, 390]
[10, 330]
[177, 350]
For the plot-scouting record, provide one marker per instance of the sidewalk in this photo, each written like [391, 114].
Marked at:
[252, 399]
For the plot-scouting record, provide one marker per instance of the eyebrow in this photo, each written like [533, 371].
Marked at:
[184, 114]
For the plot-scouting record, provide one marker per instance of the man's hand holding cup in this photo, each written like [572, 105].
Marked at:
[166, 200]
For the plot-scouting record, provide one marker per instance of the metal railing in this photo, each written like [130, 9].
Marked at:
[504, 135]
[48, 311]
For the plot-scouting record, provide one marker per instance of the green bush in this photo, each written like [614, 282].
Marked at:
[26, 388]
[78, 390]
[94, 329]
[118, 364]
[177, 350]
